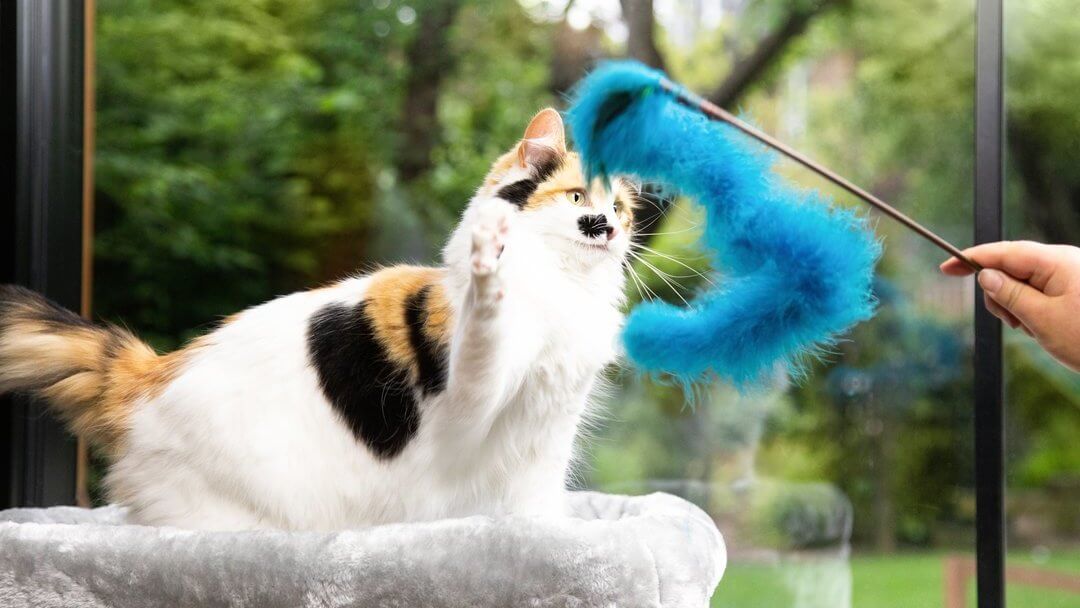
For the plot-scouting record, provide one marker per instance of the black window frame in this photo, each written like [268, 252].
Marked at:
[41, 169]
[989, 356]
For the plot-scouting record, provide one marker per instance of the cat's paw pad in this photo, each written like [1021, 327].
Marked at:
[489, 238]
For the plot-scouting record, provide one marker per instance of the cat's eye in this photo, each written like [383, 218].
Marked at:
[577, 197]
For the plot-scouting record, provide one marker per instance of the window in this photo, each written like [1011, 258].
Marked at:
[278, 145]
[1041, 397]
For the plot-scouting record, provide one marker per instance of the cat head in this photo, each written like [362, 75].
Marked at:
[587, 221]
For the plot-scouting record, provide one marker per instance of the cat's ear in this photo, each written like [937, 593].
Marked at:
[544, 137]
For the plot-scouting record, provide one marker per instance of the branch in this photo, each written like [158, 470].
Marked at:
[641, 45]
[749, 69]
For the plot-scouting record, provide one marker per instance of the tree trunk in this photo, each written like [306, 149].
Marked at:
[641, 41]
[572, 55]
[429, 61]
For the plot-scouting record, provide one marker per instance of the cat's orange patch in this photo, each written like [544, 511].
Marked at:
[386, 303]
[567, 177]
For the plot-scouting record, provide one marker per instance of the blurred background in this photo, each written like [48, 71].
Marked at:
[249, 149]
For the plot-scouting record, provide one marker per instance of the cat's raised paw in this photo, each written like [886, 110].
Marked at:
[489, 237]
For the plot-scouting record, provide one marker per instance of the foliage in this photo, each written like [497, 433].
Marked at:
[251, 155]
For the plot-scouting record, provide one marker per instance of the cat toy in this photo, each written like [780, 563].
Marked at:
[796, 271]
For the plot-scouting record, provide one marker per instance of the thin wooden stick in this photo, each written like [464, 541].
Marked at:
[716, 112]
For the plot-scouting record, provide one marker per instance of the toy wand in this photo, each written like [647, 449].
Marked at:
[714, 111]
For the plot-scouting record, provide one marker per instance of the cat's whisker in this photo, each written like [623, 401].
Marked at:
[655, 202]
[637, 285]
[656, 218]
[649, 290]
[672, 284]
[657, 270]
[696, 272]
[663, 277]
[668, 256]
[668, 232]
[647, 199]
[648, 294]
[642, 288]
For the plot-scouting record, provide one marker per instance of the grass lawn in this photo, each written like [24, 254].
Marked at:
[906, 580]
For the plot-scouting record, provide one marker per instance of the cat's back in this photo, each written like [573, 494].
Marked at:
[296, 349]
[266, 343]
[244, 385]
[260, 405]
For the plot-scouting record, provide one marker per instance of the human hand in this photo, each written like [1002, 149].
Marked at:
[1032, 287]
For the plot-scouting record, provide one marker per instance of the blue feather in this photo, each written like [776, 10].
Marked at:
[795, 271]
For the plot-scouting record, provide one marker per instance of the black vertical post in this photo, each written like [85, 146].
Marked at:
[989, 373]
[41, 92]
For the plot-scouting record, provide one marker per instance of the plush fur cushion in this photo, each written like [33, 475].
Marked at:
[655, 550]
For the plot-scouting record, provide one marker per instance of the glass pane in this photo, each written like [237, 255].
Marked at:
[1042, 397]
[276, 146]
[852, 487]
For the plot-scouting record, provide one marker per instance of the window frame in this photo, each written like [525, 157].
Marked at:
[989, 418]
[42, 160]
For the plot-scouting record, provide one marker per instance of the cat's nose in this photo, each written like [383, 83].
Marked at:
[594, 225]
[611, 231]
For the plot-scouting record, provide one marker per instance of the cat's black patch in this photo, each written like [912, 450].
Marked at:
[370, 393]
[518, 193]
[430, 356]
[548, 167]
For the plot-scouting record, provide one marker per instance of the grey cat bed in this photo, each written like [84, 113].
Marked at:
[655, 550]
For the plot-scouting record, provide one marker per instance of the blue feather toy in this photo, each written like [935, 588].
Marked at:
[795, 271]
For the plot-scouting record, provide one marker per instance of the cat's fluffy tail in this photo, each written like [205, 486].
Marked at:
[90, 375]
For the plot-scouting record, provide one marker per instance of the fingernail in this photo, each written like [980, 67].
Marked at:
[990, 280]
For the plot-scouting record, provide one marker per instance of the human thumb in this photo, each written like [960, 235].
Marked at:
[1024, 301]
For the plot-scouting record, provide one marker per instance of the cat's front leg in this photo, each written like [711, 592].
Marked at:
[477, 368]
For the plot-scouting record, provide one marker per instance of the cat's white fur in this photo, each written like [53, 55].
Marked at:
[244, 438]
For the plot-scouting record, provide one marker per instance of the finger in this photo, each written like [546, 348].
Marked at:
[1024, 260]
[955, 267]
[999, 312]
[1023, 301]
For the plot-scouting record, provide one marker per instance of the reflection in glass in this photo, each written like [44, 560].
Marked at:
[1042, 397]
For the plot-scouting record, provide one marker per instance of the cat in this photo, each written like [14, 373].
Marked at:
[409, 394]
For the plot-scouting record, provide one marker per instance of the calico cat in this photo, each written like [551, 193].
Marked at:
[409, 394]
